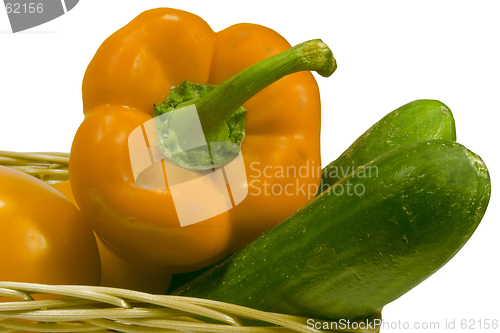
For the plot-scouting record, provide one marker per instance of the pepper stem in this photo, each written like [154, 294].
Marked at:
[216, 106]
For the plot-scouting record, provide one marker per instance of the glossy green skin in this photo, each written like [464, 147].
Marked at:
[416, 121]
[346, 256]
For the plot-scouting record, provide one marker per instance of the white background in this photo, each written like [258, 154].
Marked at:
[389, 53]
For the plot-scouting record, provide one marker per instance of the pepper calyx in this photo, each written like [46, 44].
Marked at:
[214, 107]
[181, 138]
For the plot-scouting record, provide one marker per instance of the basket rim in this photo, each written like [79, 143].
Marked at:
[91, 308]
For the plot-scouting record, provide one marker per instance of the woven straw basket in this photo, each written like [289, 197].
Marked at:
[103, 309]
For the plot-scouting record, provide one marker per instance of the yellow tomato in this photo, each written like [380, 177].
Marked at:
[44, 237]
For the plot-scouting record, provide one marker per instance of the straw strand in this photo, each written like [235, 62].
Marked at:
[91, 309]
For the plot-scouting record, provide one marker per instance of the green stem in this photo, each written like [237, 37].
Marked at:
[216, 106]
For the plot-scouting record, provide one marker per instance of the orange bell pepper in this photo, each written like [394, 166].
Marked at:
[119, 273]
[134, 70]
[43, 238]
